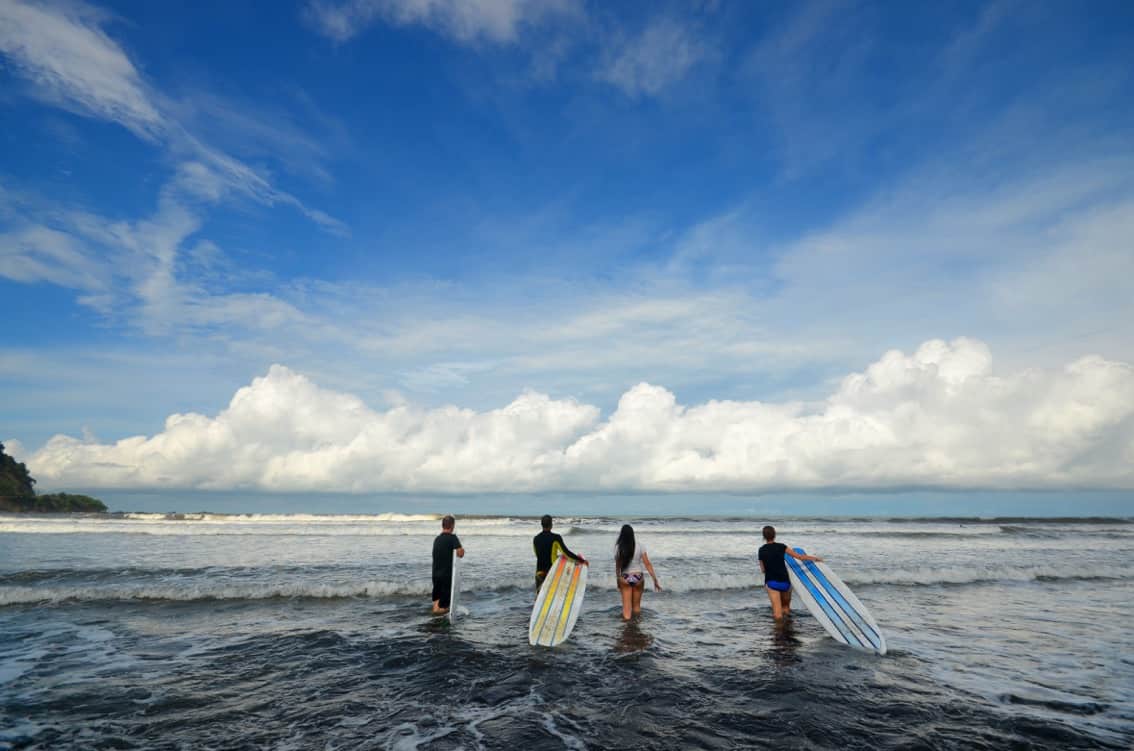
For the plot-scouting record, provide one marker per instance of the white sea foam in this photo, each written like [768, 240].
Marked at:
[680, 583]
[547, 720]
[203, 589]
[407, 736]
[971, 575]
[258, 524]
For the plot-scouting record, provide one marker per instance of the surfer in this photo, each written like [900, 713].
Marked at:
[548, 547]
[776, 581]
[443, 547]
[629, 559]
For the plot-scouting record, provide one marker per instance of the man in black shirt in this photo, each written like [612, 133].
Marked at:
[548, 547]
[776, 581]
[443, 546]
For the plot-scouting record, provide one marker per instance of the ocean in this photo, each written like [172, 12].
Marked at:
[221, 631]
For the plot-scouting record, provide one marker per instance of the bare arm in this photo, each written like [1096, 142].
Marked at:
[460, 552]
[650, 567]
[797, 556]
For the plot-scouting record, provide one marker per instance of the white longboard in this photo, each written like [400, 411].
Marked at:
[834, 605]
[455, 588]
[559, 603]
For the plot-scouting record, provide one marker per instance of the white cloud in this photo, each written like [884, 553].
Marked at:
[41, 254]
[212, 175]
[496, 21]
[940, 417]
[657, 58]
[72, 61]
[141, 271]
[1035, 260]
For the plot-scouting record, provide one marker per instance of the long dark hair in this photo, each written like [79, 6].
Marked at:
[625, 546]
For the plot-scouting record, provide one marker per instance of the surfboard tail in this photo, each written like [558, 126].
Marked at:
[833, 604]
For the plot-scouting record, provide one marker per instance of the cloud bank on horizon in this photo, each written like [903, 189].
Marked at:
[939, 418]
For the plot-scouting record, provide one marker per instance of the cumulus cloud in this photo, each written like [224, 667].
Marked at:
[496, 21]
[940, 417]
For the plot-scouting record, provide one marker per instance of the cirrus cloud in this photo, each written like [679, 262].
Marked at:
[940, 417]
[463, 20]
[72, 61]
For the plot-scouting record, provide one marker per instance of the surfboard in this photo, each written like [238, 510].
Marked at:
[455, 588]
[559, 603]
[834, 605]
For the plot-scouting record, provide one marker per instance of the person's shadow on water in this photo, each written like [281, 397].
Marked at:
[632, 639]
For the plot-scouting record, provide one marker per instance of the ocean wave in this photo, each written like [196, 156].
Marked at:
[1043, 532]
[936, 576]
[192, 588]
[29, 577]
[191, 591]
[1107, 520]
[207, 516]
[173, 528]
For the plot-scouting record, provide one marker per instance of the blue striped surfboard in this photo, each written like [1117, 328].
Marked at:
[834, 605]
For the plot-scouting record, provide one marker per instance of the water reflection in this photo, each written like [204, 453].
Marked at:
[784, 643]
[632, 638]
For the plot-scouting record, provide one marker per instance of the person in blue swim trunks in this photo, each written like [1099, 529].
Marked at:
[776, 581]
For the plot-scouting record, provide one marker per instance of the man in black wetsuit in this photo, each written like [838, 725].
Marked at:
[443, 547]
[548, 546]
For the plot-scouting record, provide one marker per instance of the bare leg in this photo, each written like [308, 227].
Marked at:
[777, 604]
[785, 599]
[626, 591]
[637, 590]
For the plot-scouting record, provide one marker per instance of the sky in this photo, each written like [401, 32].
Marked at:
[702, 252]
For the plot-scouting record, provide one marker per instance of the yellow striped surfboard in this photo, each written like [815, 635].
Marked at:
[558, 605]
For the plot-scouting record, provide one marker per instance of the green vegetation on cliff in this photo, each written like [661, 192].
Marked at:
[51, 502]
[14, 477]
[17, 492]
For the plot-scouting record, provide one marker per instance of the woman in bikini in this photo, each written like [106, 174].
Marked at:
[629, 559]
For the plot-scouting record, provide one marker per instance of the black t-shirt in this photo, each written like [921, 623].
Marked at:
[548, 545]
[443, 546]
[772, 556]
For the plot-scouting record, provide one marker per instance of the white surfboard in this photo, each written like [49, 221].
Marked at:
[456, 588]
[559, 603]
[833, 604]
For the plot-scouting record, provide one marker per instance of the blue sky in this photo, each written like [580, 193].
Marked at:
[567, 246]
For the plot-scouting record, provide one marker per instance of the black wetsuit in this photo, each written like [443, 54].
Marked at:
[443, 546]
[775, 568]
[548, 545]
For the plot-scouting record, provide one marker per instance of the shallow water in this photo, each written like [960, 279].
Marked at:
[217, 631]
